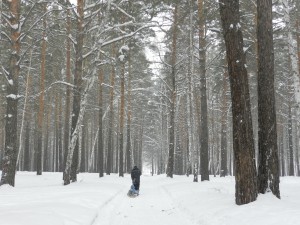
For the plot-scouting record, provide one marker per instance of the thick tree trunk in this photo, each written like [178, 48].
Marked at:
[170, 166]
[268, 170]
[12, 74]
[204, 158]
[243, 143]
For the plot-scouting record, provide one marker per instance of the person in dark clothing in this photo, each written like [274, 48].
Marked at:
[135, 177]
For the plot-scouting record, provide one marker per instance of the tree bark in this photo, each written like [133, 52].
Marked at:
[122, 112]
[109, 159]
[224, 169]
[39, 153]
[290, 141]
[170, 166]
[100, 136]
[25, 108]
[189, 97]
[68, 91]
[12, 74]
[243, 143]
[75, 133]
[26, 165]
[268, 168]
[204, 156]
[128, 145]
[78, 84]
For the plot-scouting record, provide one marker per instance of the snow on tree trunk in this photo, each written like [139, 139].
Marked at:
[75, 133]
[12, 75]
[268, 165]
[28, 84]
[243, 142]
[77, 82]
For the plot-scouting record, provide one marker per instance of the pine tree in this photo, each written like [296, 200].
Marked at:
[243, 143]
[268, 171]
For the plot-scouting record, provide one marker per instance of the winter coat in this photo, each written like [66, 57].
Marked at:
[135, 175]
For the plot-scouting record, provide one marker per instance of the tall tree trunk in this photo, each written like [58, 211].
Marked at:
[290, 141]
[140, 161]
[298, 34]
[268, 170]
[243, 143]
[78, 85]
[27, 147]
[128, 145]
[25, 108]
[170, 166]
[190, 146]
[203, 100]
[224, 169]
[109, 158]
[76, 132]
[12, 74]
[100, 132]
[292, 49]
[47, 156]
[122, 113]
[83, 132]
[39, 152]
[68, 91]
[298, 50]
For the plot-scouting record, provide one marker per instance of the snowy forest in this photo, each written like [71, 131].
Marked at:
[196, 88]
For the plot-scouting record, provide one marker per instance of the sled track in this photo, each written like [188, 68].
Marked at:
[94, 220]
[183, 211]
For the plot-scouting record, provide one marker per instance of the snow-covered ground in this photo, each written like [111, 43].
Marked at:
[43, 200]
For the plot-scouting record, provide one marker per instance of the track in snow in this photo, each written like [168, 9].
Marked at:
[153, 207]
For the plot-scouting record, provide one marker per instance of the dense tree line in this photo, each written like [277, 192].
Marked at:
[79, 93]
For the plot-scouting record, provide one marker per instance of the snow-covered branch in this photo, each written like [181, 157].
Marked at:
[51, 85]
[6, 75]
[124, 36]
[122, 11]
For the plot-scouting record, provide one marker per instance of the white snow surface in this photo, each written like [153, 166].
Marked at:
[43, 200]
